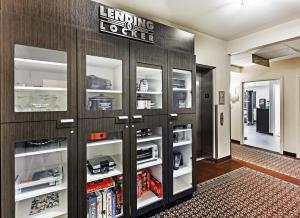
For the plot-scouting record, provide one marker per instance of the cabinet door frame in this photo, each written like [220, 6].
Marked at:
[93, 125]
[149, 122]
[182, 120]
[181, 61]
[16, 132]
[141, 53]
[28, 31]
[107, 46]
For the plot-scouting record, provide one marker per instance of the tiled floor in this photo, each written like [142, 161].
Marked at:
[260, 140]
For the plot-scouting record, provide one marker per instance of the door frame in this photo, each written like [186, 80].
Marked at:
[280, 79]
[213, 71]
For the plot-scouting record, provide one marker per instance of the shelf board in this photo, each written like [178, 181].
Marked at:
[32, 88]
[149, 93]
[181, 186]
[182, 171]
[147, 199]
[149, 164]
[182, 130]
[104, 142]
[31, 61]
[38, 192]
[104, 91]
[91, 178]
[40, 152]
[52, 214]
[177, 144]
[158, 70]
[148, 139]
[181, 89]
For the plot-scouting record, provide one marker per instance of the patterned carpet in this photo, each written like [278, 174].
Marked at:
[275, 162]
[240, 193]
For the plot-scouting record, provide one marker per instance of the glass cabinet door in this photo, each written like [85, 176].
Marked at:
[182, 89]
[40, 79]
[103, 75]
[41, 178]
[182, 158]
[149, 78]
[148, 87]
[182, 83]
[104, 80]
[104, 179]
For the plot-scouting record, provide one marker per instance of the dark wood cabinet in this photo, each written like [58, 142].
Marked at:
[103, 138]
[263, 121]
[103, 75]
[38, 170]
[38, 70]
[148, 79]
[149, 138]
[181, 83]
[182, 156]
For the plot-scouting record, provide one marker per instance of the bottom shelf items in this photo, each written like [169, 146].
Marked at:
[105, 198]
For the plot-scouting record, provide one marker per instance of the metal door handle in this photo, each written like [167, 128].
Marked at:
[137, 116]
[123, 117]
[174, 115]
[67, 121]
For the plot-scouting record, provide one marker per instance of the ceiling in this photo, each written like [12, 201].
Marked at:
[224, 19]
[275, 52]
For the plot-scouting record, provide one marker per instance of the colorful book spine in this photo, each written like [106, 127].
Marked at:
[92, 205]
[99, 205]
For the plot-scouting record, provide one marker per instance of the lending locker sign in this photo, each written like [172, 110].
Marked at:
[125, 24]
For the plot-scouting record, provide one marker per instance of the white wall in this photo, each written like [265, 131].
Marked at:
[289, 71]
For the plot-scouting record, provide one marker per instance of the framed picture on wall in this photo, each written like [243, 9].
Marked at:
[221, 97]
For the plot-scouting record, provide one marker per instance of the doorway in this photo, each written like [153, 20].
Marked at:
[204, 112]
[261, 114]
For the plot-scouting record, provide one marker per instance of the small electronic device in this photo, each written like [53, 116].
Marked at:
[177, 160]
[143, 85]
[146, 151]
[98, 136]
[101, 164]
[143, 133]
[179, 99]
[144, 101]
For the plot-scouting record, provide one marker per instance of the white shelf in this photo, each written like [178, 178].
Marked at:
[147, 199]
[176, 144]
[149, 93]
[149, 164]
[31, 61]
[104, 91]
[40, 152]
[181, 89]
[52, 214]
[32, 88]
[158, 70]
[182, 71]
[148, 139]
[94, 177]
[181, 186]
[104, 142]
[182, 171]
[182, 130]
[38, 192]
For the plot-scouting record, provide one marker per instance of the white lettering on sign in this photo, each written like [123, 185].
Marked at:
[125, 24]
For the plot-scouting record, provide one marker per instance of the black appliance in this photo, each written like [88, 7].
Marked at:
[101, 164]
[177, 160]
[100, 102]
[146, 151]
[178, 136]
[143, 85]
[179, 99]
[143, 133]
[94, 82]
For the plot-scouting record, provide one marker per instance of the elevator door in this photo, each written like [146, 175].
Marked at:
[204, 111]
